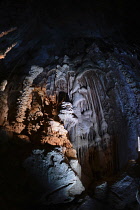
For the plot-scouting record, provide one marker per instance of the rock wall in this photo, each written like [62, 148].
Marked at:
[80, 99]
[87, 103]
[69, 104]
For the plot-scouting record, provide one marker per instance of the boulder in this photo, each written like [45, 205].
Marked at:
[59, 182]
[123, 193]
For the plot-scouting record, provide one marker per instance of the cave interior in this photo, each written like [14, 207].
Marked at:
[69, 105]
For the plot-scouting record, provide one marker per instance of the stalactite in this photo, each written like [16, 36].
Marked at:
[87, 105]
[103, 122]
[97, 138]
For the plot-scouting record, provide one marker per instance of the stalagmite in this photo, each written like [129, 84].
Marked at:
[27, 90]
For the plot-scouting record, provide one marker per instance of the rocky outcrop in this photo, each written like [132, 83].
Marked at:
[123, 193]
[55, 176]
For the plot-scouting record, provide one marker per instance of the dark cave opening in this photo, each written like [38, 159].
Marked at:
[63, 97]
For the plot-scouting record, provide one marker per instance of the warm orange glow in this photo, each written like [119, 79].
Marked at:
[2, 55]
[7, 32]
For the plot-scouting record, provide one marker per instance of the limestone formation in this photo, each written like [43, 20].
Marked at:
[79, 114]
[58, 180]
[27, 90]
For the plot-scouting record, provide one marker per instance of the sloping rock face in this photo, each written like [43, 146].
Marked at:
[58, 181]
[123, 193]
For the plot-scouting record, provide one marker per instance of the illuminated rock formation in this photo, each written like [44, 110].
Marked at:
[3, 55]
[74, 108]
[25, 94]
[54, 175]
[84, 105]
[4, 33]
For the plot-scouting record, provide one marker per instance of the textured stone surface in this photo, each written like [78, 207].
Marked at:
[24, 99]
[123, 193]
[54, 175]
[95, 100]
[89, 204]
[65, 82]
